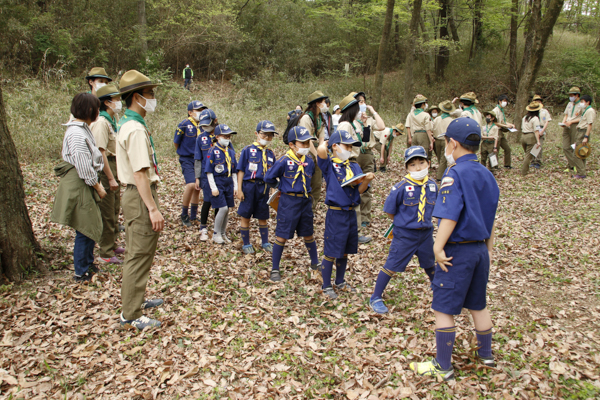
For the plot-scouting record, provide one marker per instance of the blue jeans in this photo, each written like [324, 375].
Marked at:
[83, 253]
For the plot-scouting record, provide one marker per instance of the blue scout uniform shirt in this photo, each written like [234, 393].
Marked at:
[285, 169]
[203, 144]
[220, 162]
[185, 136]
[403, 203]
[252, 163]
[468, 195]
[334, 174]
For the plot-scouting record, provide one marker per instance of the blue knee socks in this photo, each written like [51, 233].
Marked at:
[382, 281]
[277, 252]
[484, 341]
[444, 340]
[194, 212]
[326, 270]
[264, 233]
[311, 245]
[340, 269]
[245, 232]
[184, 210]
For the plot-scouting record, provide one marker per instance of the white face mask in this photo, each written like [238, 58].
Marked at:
[504, 104]
[582, 105]
[363, 108]
[196, 115]
[303, 151]
[342, 154]
[208, 128]
[118, 106]
[224, 142]
[98, 85]
[450, 158]
[572, 99]
[150, 105]
[263, 142]
[324, 109]
[434, 114]
[419, 175]
[426, 106]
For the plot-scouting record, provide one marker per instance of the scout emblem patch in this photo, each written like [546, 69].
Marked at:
[447, 181]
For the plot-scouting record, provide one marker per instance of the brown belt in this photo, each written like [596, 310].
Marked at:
[341, 208]
[297, 194]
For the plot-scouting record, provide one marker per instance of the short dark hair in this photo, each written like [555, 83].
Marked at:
[420, 105]
[129, 98]
[328, 102]
[502, 97]
[472, 137]
[103, 106]
[586, 97]
[349, 113]
[467, 103]
[85, 106]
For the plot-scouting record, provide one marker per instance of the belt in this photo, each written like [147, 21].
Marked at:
[255, 180]
[489, 141]
[298, 194]
[130, 186]
[111, 158]
[468, 241]
[341, 208]
[420, 130]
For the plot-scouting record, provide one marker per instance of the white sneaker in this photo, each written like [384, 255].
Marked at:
[226, 239]
[217, 238]
[204, 235]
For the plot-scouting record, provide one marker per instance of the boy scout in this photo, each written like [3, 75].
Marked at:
[531, 134]
[500, 113]
[440, 124]
[466, 209]
[489, 137]
[207, 123]
[137, 168]
[569, 136]
[421, 126]
[584, 128]
[545, 119]
[385, 142]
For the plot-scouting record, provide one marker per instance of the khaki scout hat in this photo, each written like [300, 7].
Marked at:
[107, 91]
[134, 80]
[419, 99]
[534, 106]
[492, 113]
[316, 96]
[470, 96]
[430, 109]
[575, 90]
[347, 102]
[400, 128]
[537, 97]
[447, 106]
[97, 72]
[583, 151]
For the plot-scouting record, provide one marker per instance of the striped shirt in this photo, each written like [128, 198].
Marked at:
[79, 149]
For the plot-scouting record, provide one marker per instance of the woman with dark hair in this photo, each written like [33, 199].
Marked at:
[531, 134]
[80, 190]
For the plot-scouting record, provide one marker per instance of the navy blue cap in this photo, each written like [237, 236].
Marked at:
[195, 105]
[344, 137]
[414, 151]
[206, 117]
[299, 134]
[460, 128]
[223, 129]
[266, 126]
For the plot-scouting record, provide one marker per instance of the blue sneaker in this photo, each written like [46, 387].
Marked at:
[152, 303]
[267, 247]
[378, 306]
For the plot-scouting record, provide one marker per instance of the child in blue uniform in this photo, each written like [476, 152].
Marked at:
[410, 204]
[207, 123]
[341, 230]
[466, 209]
[185, 143]
[252, 166]
[220, 167]
[292, 175]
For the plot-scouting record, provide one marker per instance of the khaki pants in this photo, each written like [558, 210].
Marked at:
[315, 184]
[527, 141]
[487, 149]
[439, 147]
[505, 146]
[365, 161]
[109, 208]
[377, 155]
[422, 139]
[141, 243]
[573, 135]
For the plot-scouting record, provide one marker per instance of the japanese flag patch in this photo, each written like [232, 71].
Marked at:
[447, 181]
[410, 188]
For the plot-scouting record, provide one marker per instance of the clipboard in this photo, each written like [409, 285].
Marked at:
[353, 179]
[493, 160]
[536, 150]
[274, 200]
[389, 234]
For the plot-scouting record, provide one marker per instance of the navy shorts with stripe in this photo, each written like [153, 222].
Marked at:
[408, 242]
[294, 215]
[254, 204]
[225, 197]
[341, 233]
[187, 167]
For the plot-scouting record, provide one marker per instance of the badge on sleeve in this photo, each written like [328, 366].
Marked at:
[447, 181]
[410, 188]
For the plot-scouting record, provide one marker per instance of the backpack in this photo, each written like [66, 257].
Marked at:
[291, 123]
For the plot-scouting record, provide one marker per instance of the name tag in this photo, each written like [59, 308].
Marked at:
[432, 187]
[253, 167]
[270, 159]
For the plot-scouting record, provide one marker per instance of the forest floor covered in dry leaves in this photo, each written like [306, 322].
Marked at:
[228, 332]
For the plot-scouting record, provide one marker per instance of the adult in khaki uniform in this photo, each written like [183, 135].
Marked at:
[531, 134]
[489, 138]
[96, 79]
[137, 168]
[468, 109]
[545, 119]
[569, 136]
[385, 142]
[421, 126]
[104, 131]
[312, 119]
[500, 113]
[584, 128]
[440, 124]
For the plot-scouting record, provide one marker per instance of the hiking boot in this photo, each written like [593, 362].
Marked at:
[378, 306]
[152, 303]
[275, 275]
[329, 292]
[248, 249]
[204, 235]
[185, 220]
[432, 368]
[140, 323]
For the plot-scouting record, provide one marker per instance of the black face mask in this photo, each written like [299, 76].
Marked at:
[488, 120]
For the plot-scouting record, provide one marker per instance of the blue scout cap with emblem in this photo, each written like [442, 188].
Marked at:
[223, 129]
[414, 151]
[207, 117]
[299, 134]
[344, 137]
[195, 105]
[460, 128]
[266, 126]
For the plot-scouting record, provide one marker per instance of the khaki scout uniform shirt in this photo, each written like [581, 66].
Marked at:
[476, 115]
[347, 126]
[306, 122]
[531, 126]
[489, 132]
[134, 153]
[105, 136]
[544, 116]
[587, 118]
[573, 111]
[420, 122]
[440, 125]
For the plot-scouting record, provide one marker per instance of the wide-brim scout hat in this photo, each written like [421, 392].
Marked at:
[344, 137]
[400, 128]
[534, 106]
[196, 105]
[134, 80]
[419, 99]
[491, 113]
[107, 91]
[460, 129]
[574, 90]
[537, 97]
[223, 129]
[206, 117]
[583, 150]
[413, 152]
[97, 72]
[433, 108]
[347, 102]
[470, 96]
[316, 96]
[300, 134]
[266, 126]
[447, 106]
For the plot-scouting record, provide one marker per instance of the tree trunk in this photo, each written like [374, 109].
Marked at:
[451, 23]
[18, 246]
[477, 39]
[143, 27]
[383, 45]
[410, 53]
[397, 43]
[443, 53]
[543, 30]
[513, 78]
[535, 15]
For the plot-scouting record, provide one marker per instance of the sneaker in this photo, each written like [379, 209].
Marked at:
[316, 267]
[364, 224]
[203, 235]
[432, 368]
[267, 247]
[94, 268]
[488, 361]
[248, 249]
[345, 287]
[364, 239]
[152, 303]
[121, 228]
[329, 292]
[507, 167]
[85, 277]
[378, 306]
[226, 239]
[140, 323]
[185, 220]
[112, 260]
[119, 250]
[536, 166]
[275, 275]
[382, 169]
[217, 238]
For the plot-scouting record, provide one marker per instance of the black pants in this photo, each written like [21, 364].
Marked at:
[186, 84]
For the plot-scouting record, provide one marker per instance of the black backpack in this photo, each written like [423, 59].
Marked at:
[291, 123]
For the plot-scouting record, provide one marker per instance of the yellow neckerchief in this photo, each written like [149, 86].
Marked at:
[193, 121]
[264, 156]
[227, 157]
[349, 173]
[421, 212]
[300, 162]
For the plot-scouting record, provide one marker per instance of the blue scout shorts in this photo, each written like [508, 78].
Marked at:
[205, 187]
[341, 233]
[254, 204]
[408, 242]
[465, 283]
[225, 197]
[294, 215]
[187, 167]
